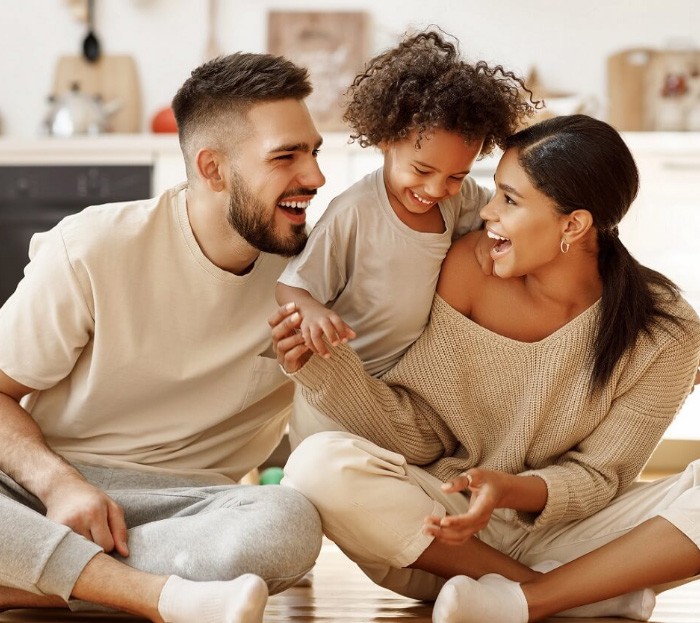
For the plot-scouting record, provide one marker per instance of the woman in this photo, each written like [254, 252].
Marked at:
[539, 391]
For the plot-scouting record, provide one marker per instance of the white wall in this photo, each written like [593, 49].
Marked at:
[568, 40]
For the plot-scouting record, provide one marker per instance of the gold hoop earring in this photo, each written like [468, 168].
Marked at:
[564, 246]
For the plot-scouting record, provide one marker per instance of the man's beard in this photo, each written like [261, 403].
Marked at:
[246, 214]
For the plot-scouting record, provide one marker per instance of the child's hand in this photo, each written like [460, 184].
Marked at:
[319, 322]
[482, 250]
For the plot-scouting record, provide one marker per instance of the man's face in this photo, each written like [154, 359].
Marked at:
[274, 176]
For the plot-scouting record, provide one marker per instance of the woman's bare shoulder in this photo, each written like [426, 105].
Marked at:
[461, 273]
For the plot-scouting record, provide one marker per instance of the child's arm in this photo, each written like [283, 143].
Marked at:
[317, 321]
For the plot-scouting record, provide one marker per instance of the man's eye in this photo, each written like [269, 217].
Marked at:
[284, 157]
[315, 153]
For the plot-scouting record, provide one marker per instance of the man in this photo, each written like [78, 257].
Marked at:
[136, 379]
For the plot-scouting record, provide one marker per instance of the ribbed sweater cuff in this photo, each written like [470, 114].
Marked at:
[65, 565]
[317, 370]
[555, 508]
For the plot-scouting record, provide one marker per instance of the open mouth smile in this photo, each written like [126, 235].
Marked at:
[502, 245]
[295, 210]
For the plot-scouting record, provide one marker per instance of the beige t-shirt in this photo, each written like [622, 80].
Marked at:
[145, 355]
[375, 271]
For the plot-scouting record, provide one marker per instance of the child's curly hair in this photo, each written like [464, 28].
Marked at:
[423, 84]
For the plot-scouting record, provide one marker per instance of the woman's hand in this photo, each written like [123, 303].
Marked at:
[287, 342]
[487, 491]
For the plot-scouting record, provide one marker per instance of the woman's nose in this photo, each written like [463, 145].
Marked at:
[487, 213]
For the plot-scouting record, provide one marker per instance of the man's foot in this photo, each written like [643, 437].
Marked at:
[238, 601]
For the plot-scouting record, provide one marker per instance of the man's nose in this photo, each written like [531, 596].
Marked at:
[311, 176]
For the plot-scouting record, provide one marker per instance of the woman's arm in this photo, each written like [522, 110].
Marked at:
[391, 415]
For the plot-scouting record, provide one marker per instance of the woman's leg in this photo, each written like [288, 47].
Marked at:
[648, 536]
[655, 552]
[372, 504]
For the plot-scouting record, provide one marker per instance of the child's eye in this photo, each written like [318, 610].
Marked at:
[509, 201]
[420, 171]
[458, 178]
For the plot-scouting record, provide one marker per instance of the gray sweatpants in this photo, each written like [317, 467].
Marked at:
[175, 527]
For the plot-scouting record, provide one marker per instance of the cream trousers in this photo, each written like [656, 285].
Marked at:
[372, 504]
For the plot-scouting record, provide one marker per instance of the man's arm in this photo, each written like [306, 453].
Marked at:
[69, 499]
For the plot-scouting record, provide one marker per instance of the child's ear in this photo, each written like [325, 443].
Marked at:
[210, 167]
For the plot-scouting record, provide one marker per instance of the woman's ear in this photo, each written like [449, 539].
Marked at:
[577, 225]
[210, 168]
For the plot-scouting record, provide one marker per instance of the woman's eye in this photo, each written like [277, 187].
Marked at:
[315, 153]
[420, 172]
[509, 201]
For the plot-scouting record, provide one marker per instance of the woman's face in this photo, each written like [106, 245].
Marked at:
[524, 223]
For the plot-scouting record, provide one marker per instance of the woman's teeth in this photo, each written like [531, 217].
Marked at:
[493, 236]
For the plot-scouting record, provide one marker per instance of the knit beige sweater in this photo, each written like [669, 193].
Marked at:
[464, 396]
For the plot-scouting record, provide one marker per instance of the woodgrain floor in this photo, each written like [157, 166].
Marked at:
[340, 593]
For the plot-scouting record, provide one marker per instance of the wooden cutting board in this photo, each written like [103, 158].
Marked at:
[112, 77]
[627, 89]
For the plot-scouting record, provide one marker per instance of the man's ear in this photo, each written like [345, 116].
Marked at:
[577, 225]
[210, 166]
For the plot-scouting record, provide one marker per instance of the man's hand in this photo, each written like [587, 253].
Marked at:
[486, 488]
[88, 511]
[287, 341]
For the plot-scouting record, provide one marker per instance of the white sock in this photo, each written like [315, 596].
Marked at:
[492, 598]
[637, 605]
[239, 601]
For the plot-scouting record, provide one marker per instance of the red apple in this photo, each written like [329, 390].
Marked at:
[164, 121]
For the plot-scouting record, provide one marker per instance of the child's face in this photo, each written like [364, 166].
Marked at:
[417, 179]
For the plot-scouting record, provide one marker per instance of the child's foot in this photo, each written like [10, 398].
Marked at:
[239, 601]
[637, 605]
[491, 598]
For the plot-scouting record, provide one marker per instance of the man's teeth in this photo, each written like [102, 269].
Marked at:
[423, 201]
[490, 234]
[295, 204]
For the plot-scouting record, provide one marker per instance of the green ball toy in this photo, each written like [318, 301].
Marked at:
[271, 476]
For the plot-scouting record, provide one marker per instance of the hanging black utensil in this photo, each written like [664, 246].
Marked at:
[91, 45]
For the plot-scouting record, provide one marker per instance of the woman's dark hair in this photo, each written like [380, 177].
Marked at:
[583, 164]
[422, 84]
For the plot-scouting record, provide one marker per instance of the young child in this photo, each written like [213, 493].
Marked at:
[370, 267]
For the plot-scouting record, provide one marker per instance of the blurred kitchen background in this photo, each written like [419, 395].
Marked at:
[634, 63]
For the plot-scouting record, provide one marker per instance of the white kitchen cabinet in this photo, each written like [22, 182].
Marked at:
[662, 228]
